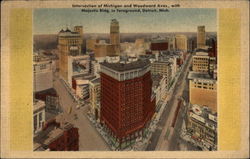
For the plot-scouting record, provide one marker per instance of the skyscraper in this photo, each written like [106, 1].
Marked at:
[127, 105]
[69, 44]
[115, 35]
[201, 37]
[114, 32]
[181, 42]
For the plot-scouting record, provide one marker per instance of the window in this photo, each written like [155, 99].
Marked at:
[43, 66]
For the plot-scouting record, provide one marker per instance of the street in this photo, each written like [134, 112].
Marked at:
[89, 138]
[166, 137]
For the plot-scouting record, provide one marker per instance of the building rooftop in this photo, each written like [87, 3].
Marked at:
[114, 21]
[96, 80]
[148, 56]
[51, 133]
[41, 61]
[48, 92]
[68, 33]
[201, 50]
[159, 39]
[84, 77]
[161, 61]
[198, 75]
[38, 104]
[203, 115]
[201, 53]
[156, 78]
[127, 66]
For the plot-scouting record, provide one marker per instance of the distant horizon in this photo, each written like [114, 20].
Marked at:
[51, 21]
[134, 33]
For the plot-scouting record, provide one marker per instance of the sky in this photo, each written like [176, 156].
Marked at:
[51, 21]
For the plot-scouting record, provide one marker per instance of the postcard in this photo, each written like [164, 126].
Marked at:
[125, 79]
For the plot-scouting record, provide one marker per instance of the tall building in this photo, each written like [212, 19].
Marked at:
[104, 49]
[181, 42]
[115, 35]
[162, 68]
[171, 43]
[191, 44]
[42, 71]
[203, 90]
[114, 32]
[94, 92]
[127, 105]
[159, 89]
[90, 44]
[69, 44]
[79, 30]
[201, 37]
[200, 62]
[203, 63]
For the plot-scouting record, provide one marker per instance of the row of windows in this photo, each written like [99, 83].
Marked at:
[210, 84]
[200, 64]
[108, 103]
[201, 67]
[199, 58]
[204, 87]
[42, 66]
[73, 42]
[198, 61]
[131, 121]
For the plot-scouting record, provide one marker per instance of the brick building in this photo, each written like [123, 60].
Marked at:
[127, 105]
[57, 136]
[159, 44]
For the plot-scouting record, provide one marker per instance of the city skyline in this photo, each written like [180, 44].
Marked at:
[51, 21]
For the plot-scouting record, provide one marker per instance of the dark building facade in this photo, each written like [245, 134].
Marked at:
[159, 46]
[51, 99]
[56, 136]
[126, 102]
[67, 141]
